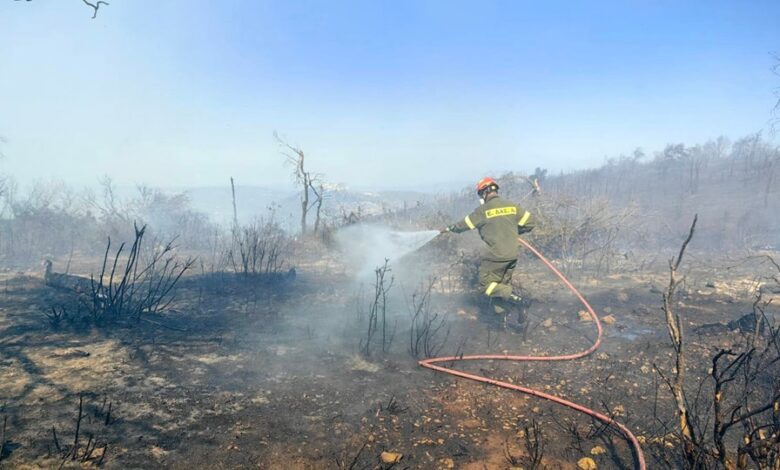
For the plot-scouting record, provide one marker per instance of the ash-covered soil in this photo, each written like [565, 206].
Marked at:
[249, 374]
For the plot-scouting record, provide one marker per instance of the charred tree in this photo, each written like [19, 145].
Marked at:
[319, 192]
[306, 181]
[676, 384]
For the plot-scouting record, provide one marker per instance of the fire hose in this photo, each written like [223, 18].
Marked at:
[431, 363]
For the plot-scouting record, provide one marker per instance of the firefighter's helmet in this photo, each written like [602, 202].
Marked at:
[486, 184]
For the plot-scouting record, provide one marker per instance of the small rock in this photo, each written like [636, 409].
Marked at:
[393, 457]
[447, 463]
[547, 323]
[609, 320]
[607, 309]
[598, 450]
[584, 316]
[586, 463]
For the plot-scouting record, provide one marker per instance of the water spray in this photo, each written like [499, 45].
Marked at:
[366, 246]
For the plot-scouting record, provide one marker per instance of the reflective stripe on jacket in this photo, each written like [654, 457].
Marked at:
[497, 221]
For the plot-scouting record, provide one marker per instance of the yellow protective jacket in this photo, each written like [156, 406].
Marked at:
[498, 222]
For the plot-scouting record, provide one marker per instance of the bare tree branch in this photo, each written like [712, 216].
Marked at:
[675, 326]
[310, 183]
[95, 6]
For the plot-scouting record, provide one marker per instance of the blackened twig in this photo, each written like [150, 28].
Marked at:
[2, 437]
[108, 414]
[56, 441]
[78, 428]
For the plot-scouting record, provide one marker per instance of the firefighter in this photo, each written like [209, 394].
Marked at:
[499, 222]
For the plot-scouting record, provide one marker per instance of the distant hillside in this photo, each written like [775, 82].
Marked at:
[256, 201]
[733, 187]
[641, 202]
[635, 200]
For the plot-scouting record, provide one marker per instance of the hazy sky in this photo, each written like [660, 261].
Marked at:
[379, 94]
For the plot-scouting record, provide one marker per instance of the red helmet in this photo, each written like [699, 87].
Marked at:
[486, 183]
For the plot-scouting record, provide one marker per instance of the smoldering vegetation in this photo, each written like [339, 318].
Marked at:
[157, 337]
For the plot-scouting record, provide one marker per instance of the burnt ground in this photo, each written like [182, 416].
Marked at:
[243, 374]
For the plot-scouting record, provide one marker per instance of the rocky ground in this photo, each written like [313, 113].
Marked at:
[247, 374]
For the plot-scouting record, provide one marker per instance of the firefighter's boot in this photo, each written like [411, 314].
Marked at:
[494, 311]
[520, 306]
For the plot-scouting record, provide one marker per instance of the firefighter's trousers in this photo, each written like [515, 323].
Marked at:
[495, 280]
